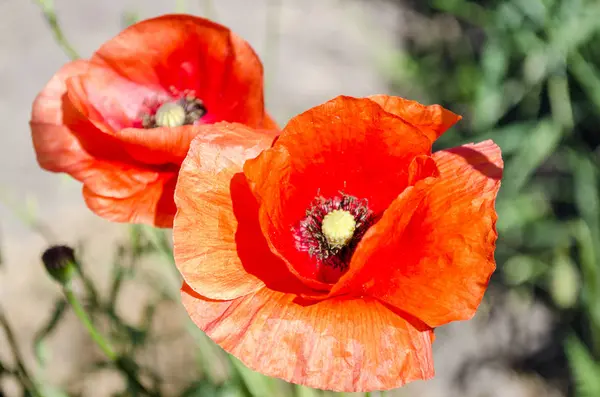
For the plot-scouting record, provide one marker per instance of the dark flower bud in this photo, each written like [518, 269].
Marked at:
[60, 263]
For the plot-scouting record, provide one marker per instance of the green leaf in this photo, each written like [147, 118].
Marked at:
[564, 281]
[51, 391]
[589, 268]
[521, 269]
[129, 18]
[303, 391]
[259, 385]
[536, 147]
[118, 276]
[535, 10]
[494, 61]
[585, 371]
[560, 101]
[509, 138]
[508, 16]
[39, 346]
[520, 210]
[586, 189]
[208, 353]
[570, 32]
[587, 75]
[200, 389]
[467, 10]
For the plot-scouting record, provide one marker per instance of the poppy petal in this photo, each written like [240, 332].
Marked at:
[170, 51]
[431, 120]
[217, 221]
[131, 195]
[185, 52]
[241, 97]
[347, 144]
[160, 145]
[56, 148]
[432, 253]
[341, 345]
[92, 112]
[169, 145]
[269, 123]
[108, 100]
[106, 183]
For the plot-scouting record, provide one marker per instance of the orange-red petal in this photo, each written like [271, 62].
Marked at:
[55, 146]
[92, 109]
[269, 123]
[160, 145]
[219, 248]
[241, 97]
[432, 120]
[341, 345]
[121, 193]
[347, 144]
[191, 53]
[432, 253]
[110, 101]
[169, 51]
[114, 190]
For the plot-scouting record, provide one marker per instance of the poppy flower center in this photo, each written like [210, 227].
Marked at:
[184, 111]
[338, 228]
[332, 228]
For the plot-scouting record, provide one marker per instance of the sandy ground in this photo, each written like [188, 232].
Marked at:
[321, 49]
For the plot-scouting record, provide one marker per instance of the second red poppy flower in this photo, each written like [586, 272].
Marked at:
[122, 121]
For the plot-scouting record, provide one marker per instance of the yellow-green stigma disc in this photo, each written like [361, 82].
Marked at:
[338, 228]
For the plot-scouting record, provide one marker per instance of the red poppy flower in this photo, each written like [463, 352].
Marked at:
[122, 121]
[328, 259]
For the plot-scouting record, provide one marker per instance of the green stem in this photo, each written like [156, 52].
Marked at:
[209, 10]
[87, 323]
[47, 7]
[21, 371]
[122, 363]
[272, 42]
[159, 242]
[180, 6]
[560, 103]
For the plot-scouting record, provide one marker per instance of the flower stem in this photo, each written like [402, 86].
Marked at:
[273, 33]
[122, 363]
[209, 10]
[47, 7]
[87, 323]
[21, 371]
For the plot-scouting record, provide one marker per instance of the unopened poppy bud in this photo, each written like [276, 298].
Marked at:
[338, 228]
[170, 115]
[60, 263]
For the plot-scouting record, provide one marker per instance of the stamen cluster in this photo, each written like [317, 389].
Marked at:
[193, 108]
[309, 236]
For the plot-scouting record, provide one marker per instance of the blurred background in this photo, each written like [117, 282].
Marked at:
[525, 73]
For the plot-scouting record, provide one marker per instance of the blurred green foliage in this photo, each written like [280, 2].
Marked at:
[216, 374]
[526, 73]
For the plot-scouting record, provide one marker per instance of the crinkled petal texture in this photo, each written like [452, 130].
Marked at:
[223, 254]
[87, 120]
[340, 345]
[431, 120]
[425, 261]
[432, 252]
[347, 144]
